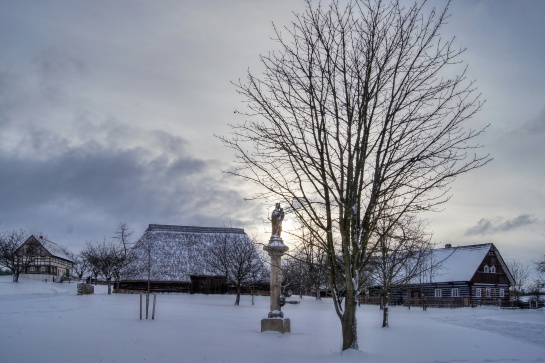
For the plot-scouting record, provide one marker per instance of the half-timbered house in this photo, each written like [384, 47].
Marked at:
[48, 261]
[458, 276]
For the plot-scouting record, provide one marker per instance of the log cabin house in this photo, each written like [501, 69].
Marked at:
[457, 276]
[48, 260]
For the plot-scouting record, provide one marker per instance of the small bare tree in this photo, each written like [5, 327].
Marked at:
[123, 255]
[306, 267]
[521, 275]
[81, 266]
[102, 258]
[145, 250]
[237, 258]
[361, 116]
[400, 258]
[13, 255]
[109, 259]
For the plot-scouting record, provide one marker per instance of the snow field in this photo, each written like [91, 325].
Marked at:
[48, 322]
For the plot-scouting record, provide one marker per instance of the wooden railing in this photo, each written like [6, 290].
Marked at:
[432, 302]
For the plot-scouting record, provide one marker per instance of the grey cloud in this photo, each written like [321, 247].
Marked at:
[82, 191]
[488, 226]
[536, 126]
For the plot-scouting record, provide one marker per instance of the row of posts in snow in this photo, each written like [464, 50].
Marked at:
[147, 306]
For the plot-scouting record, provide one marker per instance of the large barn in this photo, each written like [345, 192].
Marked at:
[174, 258]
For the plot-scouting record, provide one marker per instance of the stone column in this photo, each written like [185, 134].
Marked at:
[275, 321]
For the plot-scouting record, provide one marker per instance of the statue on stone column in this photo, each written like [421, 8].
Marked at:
[276, 219]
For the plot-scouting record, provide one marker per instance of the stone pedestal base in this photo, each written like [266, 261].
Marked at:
[276, 314]
[275, 324]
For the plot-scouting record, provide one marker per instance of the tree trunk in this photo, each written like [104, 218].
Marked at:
[147, 305]
[385, 311]
[109, 286]
[349, 324]
[15, 277]
[237, 301]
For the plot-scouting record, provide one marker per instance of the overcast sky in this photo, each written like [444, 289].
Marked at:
[108, 111]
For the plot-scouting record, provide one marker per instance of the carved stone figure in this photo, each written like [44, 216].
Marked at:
[276, 219]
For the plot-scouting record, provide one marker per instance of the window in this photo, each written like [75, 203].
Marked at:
[488, 292]
[478, 292]
[486, 269]
[493, 269]
[455, 292]
[43, 269]
[502, 292]
[32, 269]
[438, 293]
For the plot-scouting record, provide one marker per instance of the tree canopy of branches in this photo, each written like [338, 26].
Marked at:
[360, 116]
[540, 266]
[15, 259]
[237, 258]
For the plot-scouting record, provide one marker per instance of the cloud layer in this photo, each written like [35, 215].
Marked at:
[108, 111]
[500, 225]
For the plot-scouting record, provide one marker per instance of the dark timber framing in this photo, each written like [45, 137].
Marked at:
[49, 261]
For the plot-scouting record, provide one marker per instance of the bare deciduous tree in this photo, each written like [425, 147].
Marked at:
[360, 116]
[521, 275]
[13, 257]
[80, 266]
[145, 255]
[101, 257]
[110, 258]
[122, 253]
[400, 259]
[237, 258]
[306, 267]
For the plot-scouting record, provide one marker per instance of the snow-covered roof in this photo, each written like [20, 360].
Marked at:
[457, 263]
[53, 248]
[177, 251]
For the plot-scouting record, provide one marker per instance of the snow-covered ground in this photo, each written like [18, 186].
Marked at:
[48, 322]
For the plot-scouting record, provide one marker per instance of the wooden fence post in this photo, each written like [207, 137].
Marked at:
[140, 306]
[153, 310]
[147, 305]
